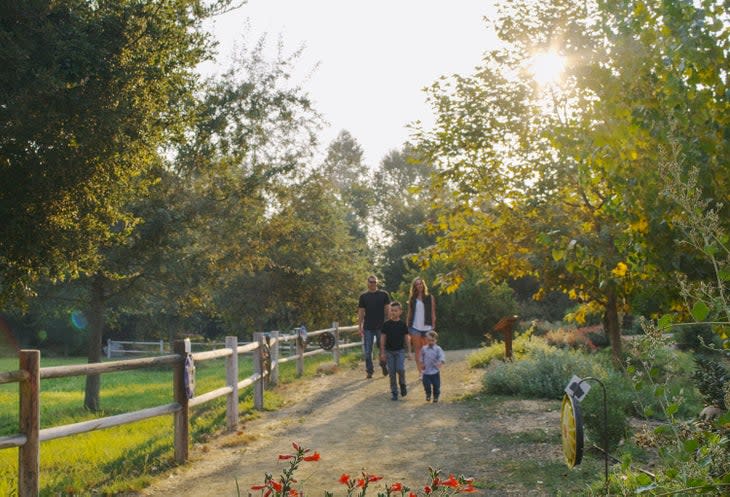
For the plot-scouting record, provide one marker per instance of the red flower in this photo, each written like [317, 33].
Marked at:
[344, 479]
[469, 488]
[313, 457]
[295, 445]
[396, 487]
[276, 485]
[411, 494]
[361, 482]
[372, 478]
[427, 490]
[293, 493]
[284, 457]
[451, 482]
[258, 487]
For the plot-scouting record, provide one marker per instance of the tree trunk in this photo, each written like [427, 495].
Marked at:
[96, 327]
[613, 328]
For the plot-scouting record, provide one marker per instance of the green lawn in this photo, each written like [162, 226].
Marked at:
[126, 457]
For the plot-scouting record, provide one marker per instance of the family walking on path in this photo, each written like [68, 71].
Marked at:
[397, 340]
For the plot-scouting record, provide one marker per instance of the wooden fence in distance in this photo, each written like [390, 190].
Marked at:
[265, 352]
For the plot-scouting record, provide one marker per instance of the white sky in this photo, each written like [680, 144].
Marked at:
[374, 57]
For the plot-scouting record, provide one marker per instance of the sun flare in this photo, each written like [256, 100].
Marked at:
[546, 67]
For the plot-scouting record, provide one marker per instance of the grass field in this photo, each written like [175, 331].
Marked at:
[122, 458]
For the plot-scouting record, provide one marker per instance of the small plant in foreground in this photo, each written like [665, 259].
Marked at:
[283, 486]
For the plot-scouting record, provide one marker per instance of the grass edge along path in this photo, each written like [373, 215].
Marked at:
[122, 458]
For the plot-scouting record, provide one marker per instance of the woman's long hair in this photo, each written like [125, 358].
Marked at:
[412, 296]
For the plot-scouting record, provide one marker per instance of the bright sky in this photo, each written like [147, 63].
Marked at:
[374, 57]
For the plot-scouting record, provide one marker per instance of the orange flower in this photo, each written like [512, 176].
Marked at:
[284, 457]
[293, 493]
[344, 478]
[313, 457]
[361, 482]
[396, 487]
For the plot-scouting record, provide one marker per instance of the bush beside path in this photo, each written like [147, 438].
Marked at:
[510, 447]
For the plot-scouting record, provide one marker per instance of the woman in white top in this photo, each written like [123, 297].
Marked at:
[421, 317]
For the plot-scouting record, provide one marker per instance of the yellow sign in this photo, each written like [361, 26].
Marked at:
[571, 426]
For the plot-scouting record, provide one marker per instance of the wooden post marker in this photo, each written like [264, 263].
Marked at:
[506, 326]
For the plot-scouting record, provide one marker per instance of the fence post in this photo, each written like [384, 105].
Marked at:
[274, 351]
[182, 421]
[258, 368]
[29, 453]
[232, 381]
[336, 349]
[300, 352]
[162, 347]
[108, 348]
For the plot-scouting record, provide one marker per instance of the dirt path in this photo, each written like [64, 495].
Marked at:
[354, 425]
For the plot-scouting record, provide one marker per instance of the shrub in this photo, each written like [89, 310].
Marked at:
[546, 372]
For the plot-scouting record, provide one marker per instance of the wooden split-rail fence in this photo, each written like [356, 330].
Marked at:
[264, 349]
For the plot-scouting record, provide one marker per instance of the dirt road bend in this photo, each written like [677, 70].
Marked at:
[352, 422]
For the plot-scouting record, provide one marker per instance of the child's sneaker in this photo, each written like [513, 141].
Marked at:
[435, 399]
[394, 396]
[428, 398]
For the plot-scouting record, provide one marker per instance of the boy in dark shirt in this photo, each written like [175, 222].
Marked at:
[394, 338]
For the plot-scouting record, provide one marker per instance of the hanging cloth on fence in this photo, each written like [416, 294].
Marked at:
[189, 376]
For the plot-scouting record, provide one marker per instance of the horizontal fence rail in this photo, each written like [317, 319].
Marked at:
[265, 350]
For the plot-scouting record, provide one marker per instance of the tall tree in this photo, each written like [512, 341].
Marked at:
[344, 168]
[403, 205]
[561, 181]
[89, 92]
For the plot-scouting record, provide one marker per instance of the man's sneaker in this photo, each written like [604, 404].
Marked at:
[403, 390]
[370, 375]
[428, 398]
[385, 369]
[394, 396]
[435, 399]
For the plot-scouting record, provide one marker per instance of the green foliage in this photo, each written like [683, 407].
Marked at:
[711, 378]
[91, 92]
[695, 337]
[469, 313]
[661, 377]
[401, 187]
